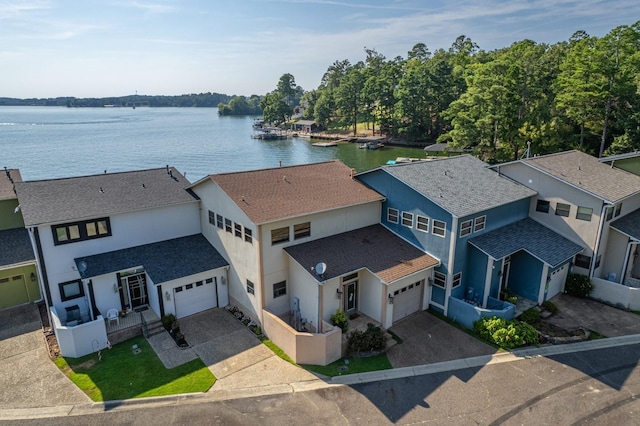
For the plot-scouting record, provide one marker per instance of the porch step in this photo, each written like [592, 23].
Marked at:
[154, 328]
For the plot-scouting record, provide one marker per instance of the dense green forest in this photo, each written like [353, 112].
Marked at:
[191, 100]
[240, 105]
[581, 93]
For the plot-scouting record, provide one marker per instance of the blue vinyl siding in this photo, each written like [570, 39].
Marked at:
[525, 275]
[476, 272]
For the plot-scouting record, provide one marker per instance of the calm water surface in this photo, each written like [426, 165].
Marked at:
[52, 142]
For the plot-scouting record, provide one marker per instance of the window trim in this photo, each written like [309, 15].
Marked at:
[439, 229]
[390, 213]
[248, 235]
[407, 217]
[543, 206]
[284, 238]
[280, 290]
[425, 223]
[83, 234]
[219, 221]
[584, 216]
[479, 223]
[457, 278]
[63, 295]
[237, 229]
[439, 277]
[228, 225]
[466, 227]
[562, 209]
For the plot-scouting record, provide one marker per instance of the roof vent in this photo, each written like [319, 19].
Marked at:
[101, 190]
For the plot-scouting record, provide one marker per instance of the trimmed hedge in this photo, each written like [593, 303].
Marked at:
[370, 340]
[506, 334]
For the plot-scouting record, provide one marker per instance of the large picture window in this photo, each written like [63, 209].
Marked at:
[81, 231]
[71, 290]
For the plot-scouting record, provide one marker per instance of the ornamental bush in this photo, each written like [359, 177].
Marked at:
[339, 319]
[530, 316]
[370, 340]
[578, 285]
[507, 334]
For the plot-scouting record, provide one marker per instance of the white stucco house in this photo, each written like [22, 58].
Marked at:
[120, 241]
[304, 241]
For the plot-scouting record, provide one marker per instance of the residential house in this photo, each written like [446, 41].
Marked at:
[302, 242]
[629, 161]
[305, 126]
[18, 270]
[119, 243]
[476, 222]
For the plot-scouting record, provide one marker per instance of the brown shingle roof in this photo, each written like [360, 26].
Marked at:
[273, 194]
[374, 248]
[587, 173]
[85, 197]
[6, 184]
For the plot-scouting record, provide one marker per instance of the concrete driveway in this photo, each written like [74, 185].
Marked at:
[28, 376]
[235, 355]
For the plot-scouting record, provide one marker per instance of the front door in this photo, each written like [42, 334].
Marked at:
[504, 276]
[133, 291]
[351, 297]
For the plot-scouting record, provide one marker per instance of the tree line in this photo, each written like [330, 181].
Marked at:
[188, 100]
[581, 93]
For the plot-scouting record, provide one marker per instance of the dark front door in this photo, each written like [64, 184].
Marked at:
[137, 290]
[351, 297]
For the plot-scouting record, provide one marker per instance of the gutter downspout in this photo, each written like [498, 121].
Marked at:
[627, 256]
[43, 279]
[452, 251]
[597, 246]
[260, 274]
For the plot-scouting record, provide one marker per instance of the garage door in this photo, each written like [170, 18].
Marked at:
[556, 282]
[195, 297]
[407, 300]
[13, 291]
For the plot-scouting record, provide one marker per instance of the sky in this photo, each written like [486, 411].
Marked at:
[101, 48]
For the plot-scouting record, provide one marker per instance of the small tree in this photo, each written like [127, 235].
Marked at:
[578, 285]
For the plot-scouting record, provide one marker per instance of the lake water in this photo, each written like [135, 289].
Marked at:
[52, 142]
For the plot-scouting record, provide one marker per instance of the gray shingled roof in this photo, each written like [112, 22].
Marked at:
[15, 247]
[163, 261]
[587, 173]
[462, 185]
[6, 184]
[629, 224]
[530, 236]
[619, 157]
[86, 197]
[373, 247]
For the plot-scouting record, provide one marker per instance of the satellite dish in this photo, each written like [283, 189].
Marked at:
[321, 268]
[82, 266]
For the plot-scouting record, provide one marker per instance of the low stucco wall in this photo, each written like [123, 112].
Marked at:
[81, 339]
[304, 348]
[621, 296]
[466, 314]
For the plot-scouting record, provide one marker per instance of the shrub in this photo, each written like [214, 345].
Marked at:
[506, 334]
[339, 319]
[549, 306]
[578, 285]
[530, 316]
[512, 299]
[168, 321]
[372, 339]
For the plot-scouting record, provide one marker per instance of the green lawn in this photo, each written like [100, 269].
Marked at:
[122, 375]
[355, 365]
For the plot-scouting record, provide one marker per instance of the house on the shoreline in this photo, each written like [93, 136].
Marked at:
[19, 282]
[119, 243]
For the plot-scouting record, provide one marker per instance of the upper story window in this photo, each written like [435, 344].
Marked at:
[479, 223]
[439, 228]
[71, 290]
[248, 235]
[212, 218]
[465, 227]
[422, 223]
[618, 210]
[280, 235]
[227, 225]
[250, 288]
[219, 221]
[81, 231]
[407, 219]
[238, 230]
[563, 209]
[301, 230]
[392, 215]
[542, 206]
[457, 280]
[279, 289]
[584, 213]
[439, 279]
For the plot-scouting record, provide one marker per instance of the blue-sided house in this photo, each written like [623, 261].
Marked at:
[463, 213]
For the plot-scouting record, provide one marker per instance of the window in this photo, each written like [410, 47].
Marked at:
[238, 230]
[219, 221]
[457, 279]
[584, 213]
[227, 225]
[392, 215]
[71, 290]
[279, 235]
[618, 210]
[250, 288]
[465, 227]
[407, 219]
[542, 206]
[301, 230]
[248, 235]
[438, 228]
[439, 279]
[208, 280]
[188, 286]
[478, 223]
[279, 289]
[422, 223]
[81, 231]
[583, 261]
[212, 218]
[563, 209]
[199, 283]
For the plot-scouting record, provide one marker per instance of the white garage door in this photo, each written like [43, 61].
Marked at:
[195, 297]
[556, 282]
[407, 300]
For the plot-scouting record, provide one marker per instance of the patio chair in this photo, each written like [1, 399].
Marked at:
[112, 314]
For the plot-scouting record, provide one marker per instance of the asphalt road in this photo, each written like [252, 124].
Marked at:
[590, 387]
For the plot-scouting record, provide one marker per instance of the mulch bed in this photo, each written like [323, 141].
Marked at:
[553, 334]
[50, 337]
